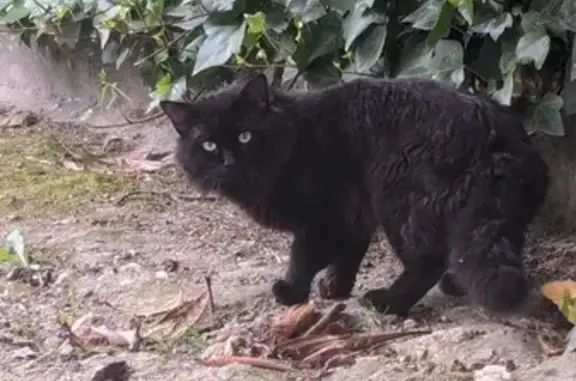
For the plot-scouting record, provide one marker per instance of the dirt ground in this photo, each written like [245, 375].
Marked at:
[107, 243]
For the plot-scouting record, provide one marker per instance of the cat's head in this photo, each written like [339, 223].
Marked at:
[234, 140]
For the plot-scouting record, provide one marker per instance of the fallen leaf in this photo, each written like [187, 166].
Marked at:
[563, 294]
[115, 371]
[19, 119]
[100, 335]
[174, 323]
[295, 321]
[89, 337]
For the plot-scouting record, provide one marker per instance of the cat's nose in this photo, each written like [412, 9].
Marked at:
[228, 159]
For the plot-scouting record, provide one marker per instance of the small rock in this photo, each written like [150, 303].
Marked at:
[170, 265]
[62, 278]
[25, 353]
[409, 324]
[492, 373]
[66, 349]
[161, 275]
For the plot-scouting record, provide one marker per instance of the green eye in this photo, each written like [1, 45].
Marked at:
[245, 137]
[209, 146]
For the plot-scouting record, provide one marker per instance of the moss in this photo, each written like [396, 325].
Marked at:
[32, 180]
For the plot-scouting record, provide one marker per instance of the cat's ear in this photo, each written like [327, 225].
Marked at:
[256, 90]
[180, 114]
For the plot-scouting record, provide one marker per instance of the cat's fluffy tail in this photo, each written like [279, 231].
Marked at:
[487, 238]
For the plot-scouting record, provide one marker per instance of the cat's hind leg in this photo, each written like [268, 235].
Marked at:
[419, 243]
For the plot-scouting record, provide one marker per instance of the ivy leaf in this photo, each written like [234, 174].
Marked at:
[342, 6]
[494, 26]
[318, 39]
[322, 76]
[190, 51]
[465, 8]
[221, 43]
[448, 62]
[16, 13]
[369, 49]
[442, 27]
[533, 47]
[218, 5]
[309, 10]
[504, 94]
[282, 43]
[426, 16]
[356, 22]
[444, 62]
[545, 116]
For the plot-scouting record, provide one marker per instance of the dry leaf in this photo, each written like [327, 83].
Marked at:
[100, 335]
[92, 337]
[557, 292]
[19, 119]
[132, 165]
[175, 321]
[295, 321]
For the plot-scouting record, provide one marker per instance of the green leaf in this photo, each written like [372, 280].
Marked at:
[444, 62]
[218, 5]
[356, 22]
[192, 23]
[282, 43]
[442, 27]
[16, 13]
[504, 94]
[309, 10]
[221, 43]
[448, 62]
[465, 8]
[318, 39]
[7, 257]
[494, 26]
[370, 47]
[322, 76]
[163, 86]
[190, 51]
[256, 23]
[341, 6]
[533, 47]
[426, 16]
[545, 116]
[16, 245]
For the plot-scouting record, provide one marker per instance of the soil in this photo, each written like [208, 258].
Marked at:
[117, 241]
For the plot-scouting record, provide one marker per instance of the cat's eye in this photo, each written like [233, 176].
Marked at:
[244, 137]
[209, 146]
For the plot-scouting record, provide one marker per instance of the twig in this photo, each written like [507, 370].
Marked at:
[124, 198]
[208, 281]
[271, 364]
[129, 122]
[330, 316]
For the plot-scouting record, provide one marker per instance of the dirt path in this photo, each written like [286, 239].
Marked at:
[111, 241]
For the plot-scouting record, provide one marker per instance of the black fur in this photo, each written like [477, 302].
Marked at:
[452, 180]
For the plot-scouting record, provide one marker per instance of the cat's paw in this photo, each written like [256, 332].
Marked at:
[449, 286]
[330, 288]
[286, 295]
[382, 301]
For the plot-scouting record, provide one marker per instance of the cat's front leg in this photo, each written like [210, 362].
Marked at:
[349, 251]
[310, 253]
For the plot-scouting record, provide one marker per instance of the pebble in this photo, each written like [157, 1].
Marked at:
[493, 373]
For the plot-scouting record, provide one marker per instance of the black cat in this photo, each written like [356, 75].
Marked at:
[452, 179]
